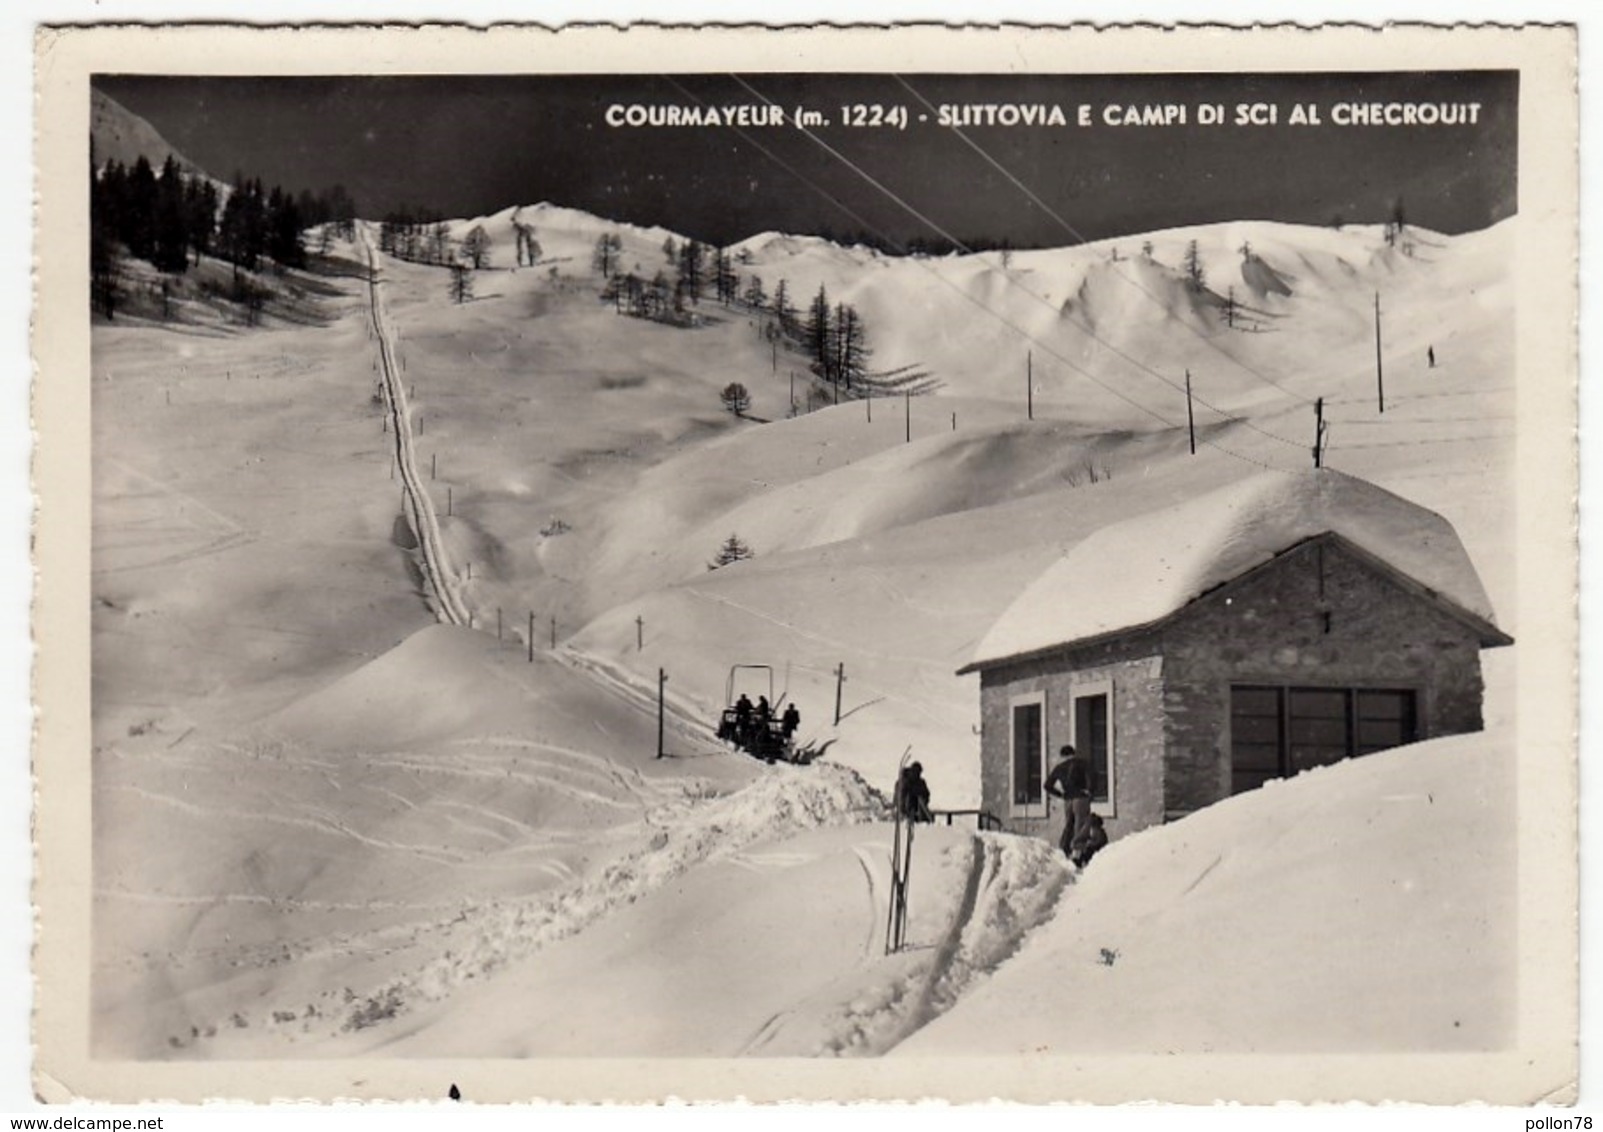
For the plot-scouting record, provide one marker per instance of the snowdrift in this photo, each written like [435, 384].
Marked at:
[1365, 907]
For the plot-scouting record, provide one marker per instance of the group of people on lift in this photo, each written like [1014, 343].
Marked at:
[1083, 835]
[755, 729]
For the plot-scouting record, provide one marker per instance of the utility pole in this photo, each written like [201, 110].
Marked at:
[1380, 382]
[1029, 384]
[662, 682]
[1191, 420]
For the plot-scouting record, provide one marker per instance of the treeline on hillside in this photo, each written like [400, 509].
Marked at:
[834, 338]
[418, 235]
[172, 219]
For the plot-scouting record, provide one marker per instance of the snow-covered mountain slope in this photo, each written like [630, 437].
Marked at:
[118, 134]
[325, 823]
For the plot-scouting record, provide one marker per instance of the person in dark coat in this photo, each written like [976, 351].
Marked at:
[1071, 781]
[743, 721]
[913, 794]
[790, 720]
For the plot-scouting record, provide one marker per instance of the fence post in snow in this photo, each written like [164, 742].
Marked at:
[531, 636]
[840, 681]
[498, 622]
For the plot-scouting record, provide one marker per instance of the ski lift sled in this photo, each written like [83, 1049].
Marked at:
[762, 738]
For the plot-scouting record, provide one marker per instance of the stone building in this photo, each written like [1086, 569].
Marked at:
[1287, 621]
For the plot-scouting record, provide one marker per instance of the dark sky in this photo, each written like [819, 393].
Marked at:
[471, 145]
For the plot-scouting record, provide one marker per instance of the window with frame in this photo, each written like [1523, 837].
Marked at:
[1028, 748]
[1275, 731]
[1093, 739]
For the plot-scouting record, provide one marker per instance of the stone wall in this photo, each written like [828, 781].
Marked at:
[1271, 627]
[1136, 675]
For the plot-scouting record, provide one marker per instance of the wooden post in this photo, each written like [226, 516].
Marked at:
[1380, 380]
[498, 622]
[954, 422]
[868, 402]
[907, 402]
[640, 633]
[1319, 433]
[531, 636]
[1029, 383]
[553, 630]
[840, 681]
[450, 508]
[434, 465]
[1191, 420]
[662, 682]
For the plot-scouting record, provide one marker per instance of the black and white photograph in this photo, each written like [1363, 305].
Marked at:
[776, 551]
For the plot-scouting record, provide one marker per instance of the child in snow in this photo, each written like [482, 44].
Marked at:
[1095, 838]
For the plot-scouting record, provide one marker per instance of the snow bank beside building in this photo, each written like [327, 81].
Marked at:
[1363, 907]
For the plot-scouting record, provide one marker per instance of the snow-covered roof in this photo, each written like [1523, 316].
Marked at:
[1140, 571]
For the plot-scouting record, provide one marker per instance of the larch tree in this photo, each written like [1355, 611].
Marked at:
[476, 246]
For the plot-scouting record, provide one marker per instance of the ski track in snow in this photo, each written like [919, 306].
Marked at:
[439, 854]
[425, 521]
[1011, 886]
[471, 941]
[1011, 889]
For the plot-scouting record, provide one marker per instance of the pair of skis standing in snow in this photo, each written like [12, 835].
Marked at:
[1083, 834]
